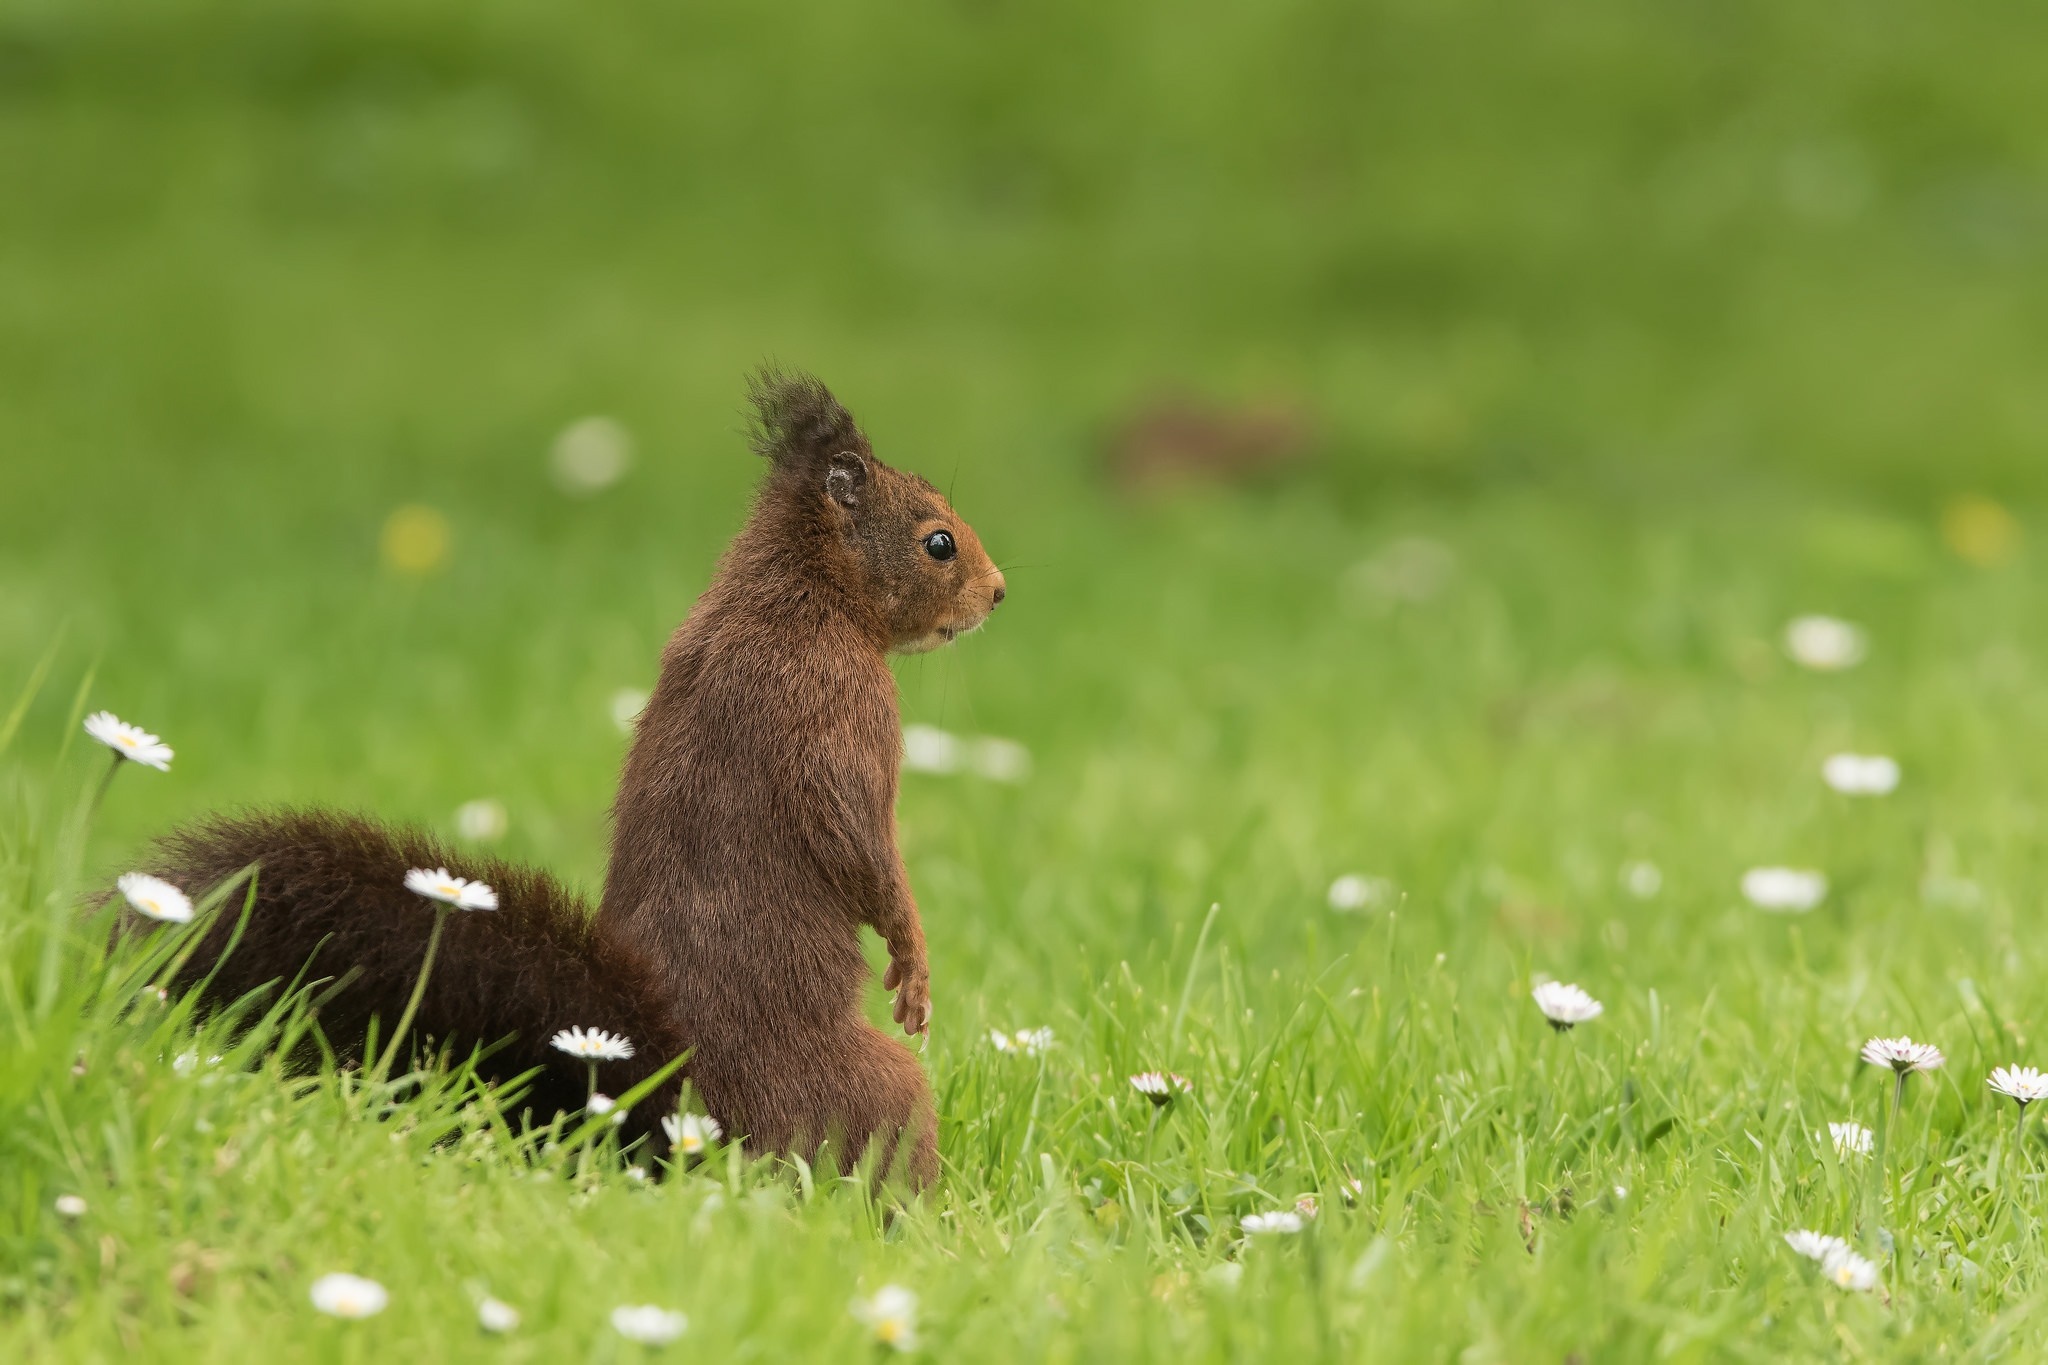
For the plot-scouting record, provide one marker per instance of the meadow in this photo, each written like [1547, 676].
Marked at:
[1629, 337]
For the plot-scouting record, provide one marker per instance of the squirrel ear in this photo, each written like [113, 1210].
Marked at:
[798, 423]
[846, 478]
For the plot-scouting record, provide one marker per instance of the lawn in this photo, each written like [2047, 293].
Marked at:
[1627, 337]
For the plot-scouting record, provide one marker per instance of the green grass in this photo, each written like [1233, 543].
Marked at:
[1666, 325]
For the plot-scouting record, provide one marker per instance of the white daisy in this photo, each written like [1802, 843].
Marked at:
[1825, 643]
[442, 885]
[1161, 1087]
[648, 1324]
[1902, 1055]
[1847, 1270]
[495, 1315]
[131, 742]
[590, 455]
[1850, 1139]
[1029, 1041]
[155, 897]
[690, 1134]
[1356, 891]
[70, 1206]
[1815, 1246]
[600, 1104]
[1861, 774]
[627, 704]
[1564, 1005]
[593, 1045]
[1279, 1221]
[1787, 889]
[348, 1296]
[928, 749]
[891, 1315]
[2022, 1083]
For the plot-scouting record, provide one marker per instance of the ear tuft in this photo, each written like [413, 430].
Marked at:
[797, 421]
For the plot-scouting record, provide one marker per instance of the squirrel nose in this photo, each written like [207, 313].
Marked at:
[996, 597]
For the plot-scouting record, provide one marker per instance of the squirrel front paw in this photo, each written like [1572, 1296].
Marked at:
[912, 982]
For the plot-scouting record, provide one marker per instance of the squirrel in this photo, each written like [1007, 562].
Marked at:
[753, 836]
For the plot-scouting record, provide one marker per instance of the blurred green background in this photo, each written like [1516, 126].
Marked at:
[1667, 321]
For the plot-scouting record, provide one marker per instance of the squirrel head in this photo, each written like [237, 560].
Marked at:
[892, 541]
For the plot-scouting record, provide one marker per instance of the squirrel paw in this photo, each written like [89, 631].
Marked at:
[913, 986]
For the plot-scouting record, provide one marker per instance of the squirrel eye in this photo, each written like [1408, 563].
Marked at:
[939, 545]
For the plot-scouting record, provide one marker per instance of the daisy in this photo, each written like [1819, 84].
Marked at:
[1354, 891]
[70, 1206]
[155, 897]
[1861, 774]
[928, 749]
[1847, 1270]
[348, 1296]
[1825, 643]
[690, 1134]
[1029, 1041]
[891, 1315]
[593, 1045]
[1564, 1005]
[2022, 1083]
[1786, 889]
[648, 1324]
[495, 1315]
[1815, 1246]
[130, 742]
[600, 1104]
[1281, 1221]
[460, 892]
[1161, 1087]
[1904, 1057]
[1850, 1139]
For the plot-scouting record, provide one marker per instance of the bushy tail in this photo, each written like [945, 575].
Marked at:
[331, 900]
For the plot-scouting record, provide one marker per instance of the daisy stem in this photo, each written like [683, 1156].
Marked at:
[419, 989]
[106, 781]
[591, 1068]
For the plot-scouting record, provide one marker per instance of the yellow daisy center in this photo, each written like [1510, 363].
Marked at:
[889, 1330]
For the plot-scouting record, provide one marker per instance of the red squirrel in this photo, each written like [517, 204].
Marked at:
[754, 835]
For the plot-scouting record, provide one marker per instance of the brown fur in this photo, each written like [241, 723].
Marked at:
[331, 898]
[754, 836]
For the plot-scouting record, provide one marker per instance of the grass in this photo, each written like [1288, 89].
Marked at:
[1662, 327]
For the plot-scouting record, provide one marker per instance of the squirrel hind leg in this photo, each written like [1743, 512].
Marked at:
[860, 1102]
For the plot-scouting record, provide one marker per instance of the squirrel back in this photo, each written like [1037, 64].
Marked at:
[754, 836]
